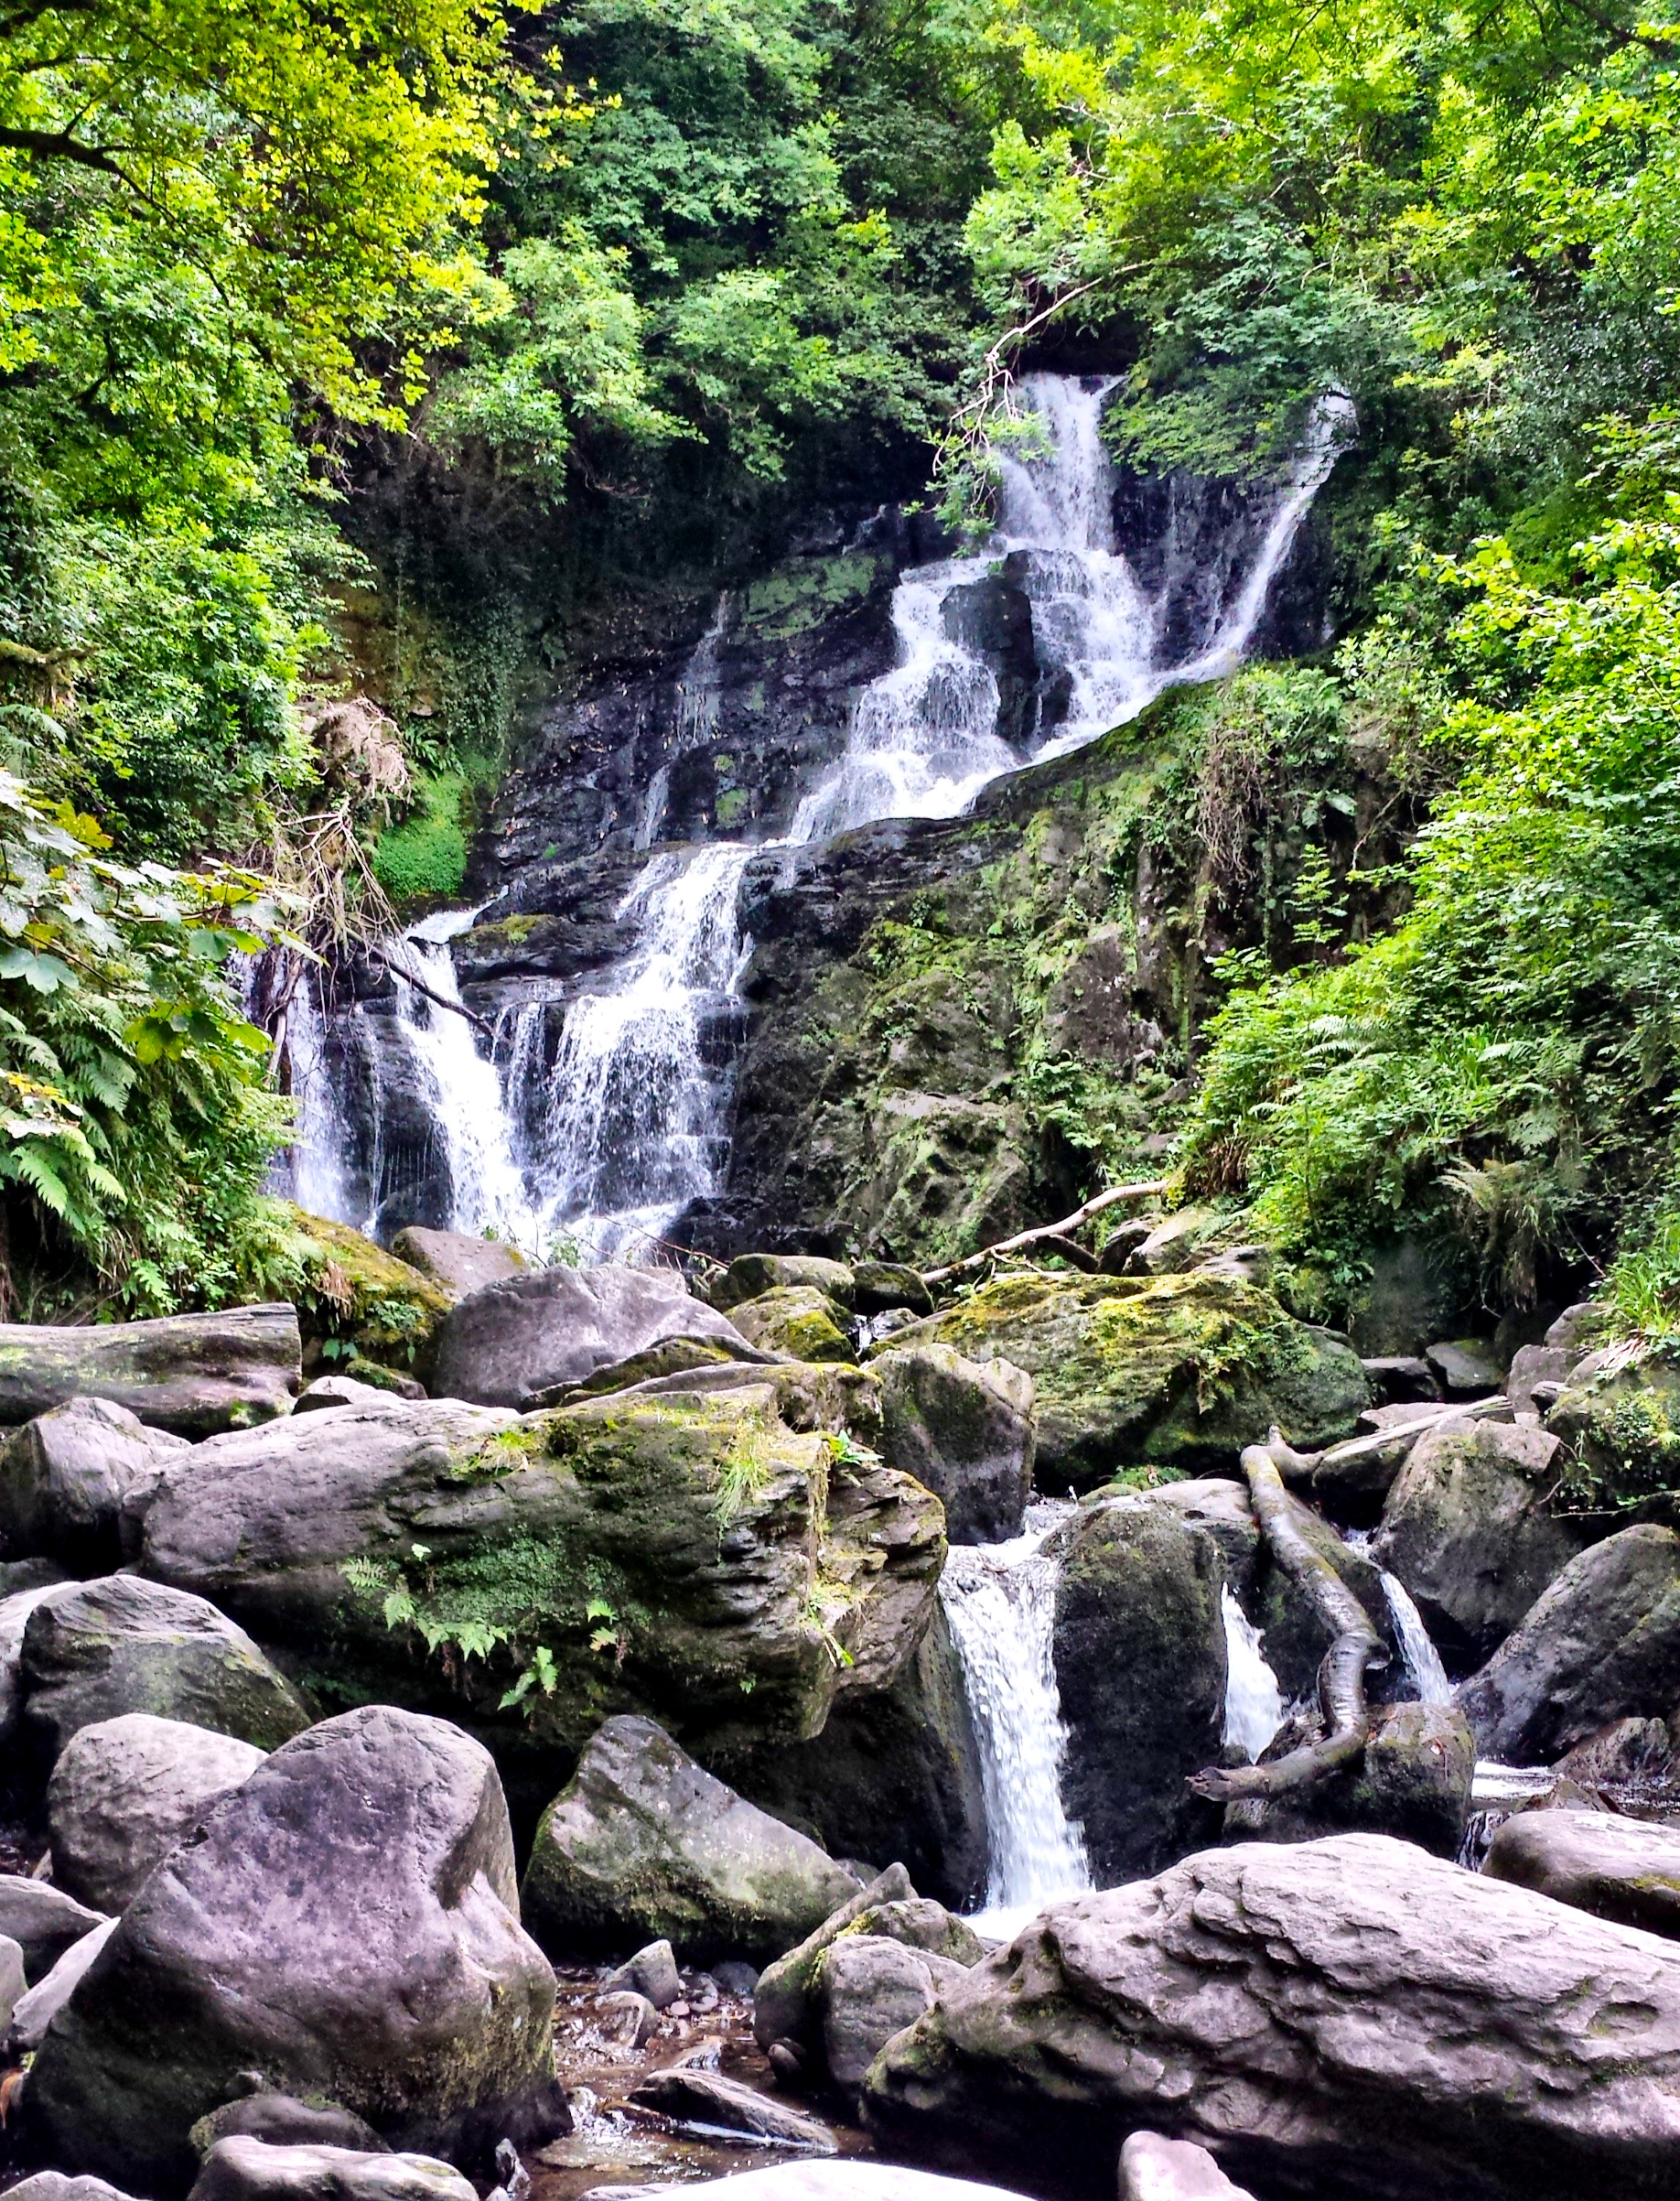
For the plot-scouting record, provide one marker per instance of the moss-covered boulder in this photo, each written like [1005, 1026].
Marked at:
[797, 1319]
[967, 1430]
[1619, 1419]
[1179, 1370]
[642, 1844]
[1413, 1782]
[361, 1309]
[749, 1274]
[689, 1555]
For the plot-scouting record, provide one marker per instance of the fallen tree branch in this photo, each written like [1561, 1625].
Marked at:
[1300, 1467]
[1047, 1230]
[1341, 1676]
[459, 1009]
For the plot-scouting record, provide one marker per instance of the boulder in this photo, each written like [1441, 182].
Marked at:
[1466, 1367]
[1153, 2168]
[37, 2010]
[685, 1553]
[868, 1988]
[244, 2169]
[782, 2007]
[337, 1391]
[347, 1925]
[643, 1844]
[15, 1613]
[194, 1373]
[125, 1791]
[93, 1650]
[381, 1312]
[714, 2103]
[457, 1262]
[43, 1920]
[1532, 1366]
[1468, 1528]
[1413, 1781]
[1121, 1369]
[1401, 1379]
[1620, 1420]
[285, 2120]
[53, 2185]
[854, 2179]
[1220, 1509]
[67, 1477]
[1601, 1644]
[965, 1429]
[1140, 1650]
[749, 1276]
[651, 1972]
[796, 1321]
[1348, 2016]
[1626, 1870]
[501, 1345]
[881, 1287]
[1171, 1244]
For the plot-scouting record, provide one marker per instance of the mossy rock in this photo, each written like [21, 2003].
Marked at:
[748, 1276]
[1620, 1424]
[797, 1319]
[362, 1303]
[1178, 1370]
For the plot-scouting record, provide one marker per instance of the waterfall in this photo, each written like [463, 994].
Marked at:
[1423, 1662]
[1000, 1605]
[637, 1121]
[316, 1177]
[628, 1124]
[1254, 1702]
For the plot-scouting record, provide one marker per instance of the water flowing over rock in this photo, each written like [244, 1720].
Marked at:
[1000, 1605]
[1344, 2015]
[1254, 1704]
[348, 1925]
[602, 1108]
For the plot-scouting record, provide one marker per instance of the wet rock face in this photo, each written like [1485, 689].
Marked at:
[1120, 1368]
[1347, 2015]
[348, 1925]
[964, 1428]
[1602, 1643]
[642, 1842]
[1140, 1650]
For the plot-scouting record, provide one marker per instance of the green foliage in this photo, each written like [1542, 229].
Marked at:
[426, 854]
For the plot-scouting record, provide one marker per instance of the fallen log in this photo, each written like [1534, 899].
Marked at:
[1341, 1676]
[1301, 1467]
[195, 1374]
[1022, 1239]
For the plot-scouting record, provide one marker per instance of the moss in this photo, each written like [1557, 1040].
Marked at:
[360, 1304]
[803, 594]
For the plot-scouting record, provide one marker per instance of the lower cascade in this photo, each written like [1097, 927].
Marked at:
[999, 1601]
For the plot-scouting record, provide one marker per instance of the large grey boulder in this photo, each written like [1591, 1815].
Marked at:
[68, 1479]
[15, 1613]
[691, 1554]
[284, 2121]
[1119, 1369]
[13, 1984]
[867, 1989]
[1627, 1870]
[1601, 1644]
[1468, 1528]
[93, 1650]
[43, 1921]
[967, 1430]
[195, 1374]
[243, 2169]
[347, 1923]
[1140, 1650]
[783, 2008]
[504, 1344]
[125, 1791]
[642, 1844]
[1351, 2015]
[53, 2185]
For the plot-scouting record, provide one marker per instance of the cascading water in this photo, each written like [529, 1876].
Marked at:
[1423, 1661]
[627, 1124]
[1254, 1702]
[999, 1601]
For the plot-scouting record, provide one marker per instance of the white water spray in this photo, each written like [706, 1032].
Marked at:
[1423, 1661]
[1254, 1702]
[1000, 1605]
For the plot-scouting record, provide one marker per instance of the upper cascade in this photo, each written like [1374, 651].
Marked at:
[603, 1132]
